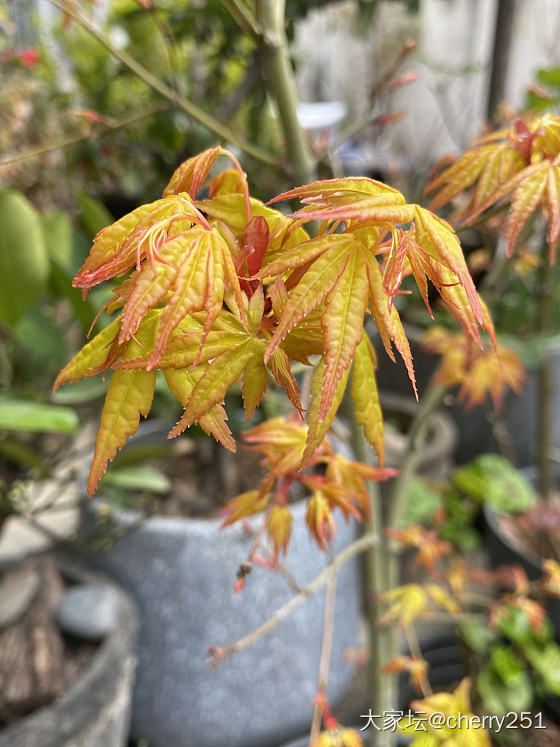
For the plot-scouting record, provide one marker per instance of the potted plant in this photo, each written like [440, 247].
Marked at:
[524, 155]
[275, 295]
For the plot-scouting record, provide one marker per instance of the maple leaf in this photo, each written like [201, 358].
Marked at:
[478, 372]
[135, 237]
[244, 505]
[279, 527]
[520, 167]
[217, 378]
[367, 410]
[459, 727]
[129, 395]
[319, 519]
[181, 384]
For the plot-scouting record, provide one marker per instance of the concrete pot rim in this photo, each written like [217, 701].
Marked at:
[68, 716]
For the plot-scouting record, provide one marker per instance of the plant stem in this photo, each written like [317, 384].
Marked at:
[416, 438]
[164, 90]
[117, 124]
[278, 69]
[326, 650]
[243, 17]
[358, 546]
[376, 581]
[545, 375]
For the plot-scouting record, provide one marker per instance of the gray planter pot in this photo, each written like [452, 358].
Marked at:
[181, 572]
[95, 711]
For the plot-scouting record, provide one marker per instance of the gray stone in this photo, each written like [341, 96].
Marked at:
[88, 612]
[95, 710]
[17, 591]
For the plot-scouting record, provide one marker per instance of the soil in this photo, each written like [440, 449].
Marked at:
[37, 662]
[537, 531]
[204, 477]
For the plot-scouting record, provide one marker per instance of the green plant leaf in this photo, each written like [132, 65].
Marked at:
[494, 480]
[95, 215]
[142, 477]
[16, 415]
[57, 232]
[546, 662]
[24, 266]
[478, 636]
[421, 503]
[499, 698]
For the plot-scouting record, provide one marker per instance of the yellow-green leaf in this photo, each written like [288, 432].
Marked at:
[343, 323]
[90, 357]
[211, 388]
[367, 409]
[255, 381]
[388, 321]
[181, 384]
[309, 292]
[319, 427]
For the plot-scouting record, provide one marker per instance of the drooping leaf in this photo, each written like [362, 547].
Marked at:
[90, 357]
[343, 323]
[523, 204]
[437, 238]
[388, 320]
[181, 384]
[319, 427]
[255, 382]
[211, 388]
[367, 409]
[309, 292]
[129, 395]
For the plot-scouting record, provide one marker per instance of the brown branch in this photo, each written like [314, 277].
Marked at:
[162, 88]
[217, 654]
[73, 139]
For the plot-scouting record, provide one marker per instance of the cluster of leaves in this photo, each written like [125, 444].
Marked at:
[226, 287]
[509, 635]
[462, 726]
[332, 480]
[478, 371]
[452, 509]
[517, 166]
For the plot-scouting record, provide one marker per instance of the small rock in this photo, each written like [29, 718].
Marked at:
[17, 590]
[88, 612]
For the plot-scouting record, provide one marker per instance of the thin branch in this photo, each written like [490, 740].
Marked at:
[219, 653]
[163, 89]
[169, 42]
[278, 70]
[243, 17]
[326, 651]
[73, 139]
[378, 87]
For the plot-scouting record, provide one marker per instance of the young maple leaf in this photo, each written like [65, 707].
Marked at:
[339, 273]
[520, 167]
[455, 730]
[478, 372]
